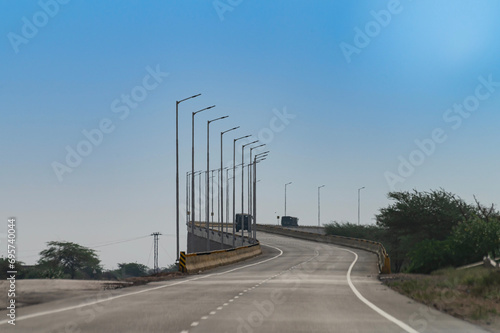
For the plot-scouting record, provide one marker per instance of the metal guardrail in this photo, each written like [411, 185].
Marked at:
[384, 262]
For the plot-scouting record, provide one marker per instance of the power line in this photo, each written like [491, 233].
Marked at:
[119, 241]
[149, 257]
[168, 254]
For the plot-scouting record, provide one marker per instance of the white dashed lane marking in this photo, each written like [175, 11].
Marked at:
[251, 289]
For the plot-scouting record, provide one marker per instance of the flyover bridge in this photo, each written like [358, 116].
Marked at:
[294, 286]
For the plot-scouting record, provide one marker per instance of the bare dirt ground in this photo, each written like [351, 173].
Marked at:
[30, 292]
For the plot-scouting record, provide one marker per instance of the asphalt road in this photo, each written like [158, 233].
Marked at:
[295, 286]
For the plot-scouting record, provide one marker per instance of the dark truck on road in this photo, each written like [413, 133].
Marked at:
[247, 222]
[289, 221]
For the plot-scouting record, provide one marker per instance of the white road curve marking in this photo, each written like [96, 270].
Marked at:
[195, 324]
[44, 313]
[370, 304]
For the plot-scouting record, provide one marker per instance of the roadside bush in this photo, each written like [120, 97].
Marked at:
[475, 238]
[346, 229]
[430, 255]
[425, 231]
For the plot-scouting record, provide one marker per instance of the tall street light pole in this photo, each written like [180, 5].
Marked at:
[218, 198]
[222, 179]
[207, 189]
[285, 196]
[250, 188]
[234, 184]
[227, 195]
[243, 185]
[199, 195]
[177, 203]
[319, 205]
[227, 200]
[359, 190]
[258, 158]
[192, 166]
[212, 189]
[187, 198]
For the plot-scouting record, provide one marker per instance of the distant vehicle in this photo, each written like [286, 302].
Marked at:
[289, 221]
[246, 218]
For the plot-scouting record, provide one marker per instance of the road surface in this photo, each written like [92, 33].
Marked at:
[295, 286]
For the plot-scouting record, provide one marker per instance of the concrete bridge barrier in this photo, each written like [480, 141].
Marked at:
[195, 262]
[384, 262]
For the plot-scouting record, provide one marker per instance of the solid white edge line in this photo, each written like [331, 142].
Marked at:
[370, 304]
[44, 313]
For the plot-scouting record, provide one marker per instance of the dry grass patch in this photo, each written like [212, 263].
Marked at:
[471, 294]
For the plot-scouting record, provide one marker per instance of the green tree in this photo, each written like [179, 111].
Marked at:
[132, 269]
[430, 255]
[69, 258]
[475, 238]
[418, 216]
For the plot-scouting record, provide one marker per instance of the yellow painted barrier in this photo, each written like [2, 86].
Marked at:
[182, 262]
[196, 262]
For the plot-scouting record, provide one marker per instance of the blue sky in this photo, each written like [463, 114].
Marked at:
[354, 117]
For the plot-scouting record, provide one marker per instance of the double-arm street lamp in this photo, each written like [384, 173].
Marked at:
[207, 189]
[177, 203]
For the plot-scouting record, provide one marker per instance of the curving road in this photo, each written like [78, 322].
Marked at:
[295, 286]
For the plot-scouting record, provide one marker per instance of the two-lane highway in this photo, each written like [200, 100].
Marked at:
[295, 286]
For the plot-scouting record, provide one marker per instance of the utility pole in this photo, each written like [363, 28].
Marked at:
[155, 236]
